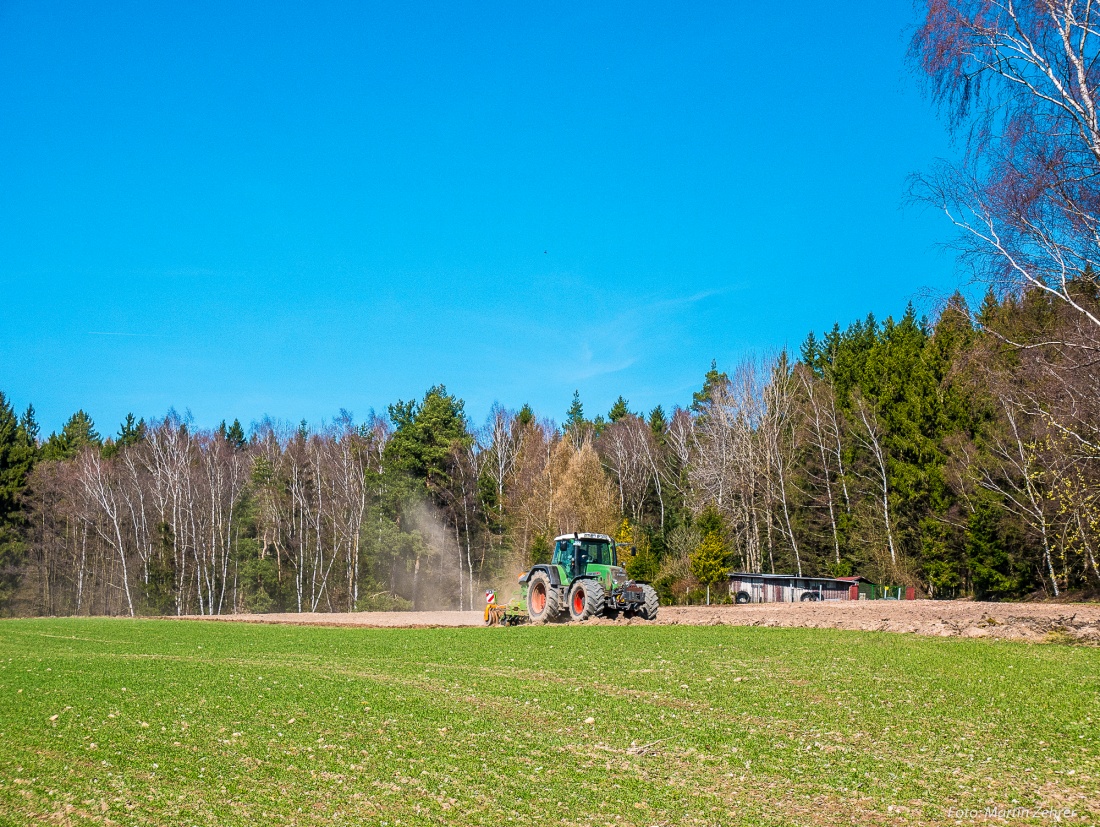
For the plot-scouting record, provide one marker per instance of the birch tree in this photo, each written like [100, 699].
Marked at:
[870, 437]
[819, 414]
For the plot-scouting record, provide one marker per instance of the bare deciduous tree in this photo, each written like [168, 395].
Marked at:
[824, 437]
[629, 452]
[870, 437]
[1021, 81]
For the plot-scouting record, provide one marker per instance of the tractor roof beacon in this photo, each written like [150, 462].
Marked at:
[584, 578]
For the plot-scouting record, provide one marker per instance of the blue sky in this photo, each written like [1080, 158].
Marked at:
[285, 210]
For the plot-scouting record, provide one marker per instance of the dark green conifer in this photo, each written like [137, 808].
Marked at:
[131, 432]
[235, 436]
[77, 434]
[658, 423]
[574, 417]
[18, 450]
[713, 378]
[619, 409]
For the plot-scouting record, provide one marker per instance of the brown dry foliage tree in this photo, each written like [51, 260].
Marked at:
[531, 484]
[585, 500]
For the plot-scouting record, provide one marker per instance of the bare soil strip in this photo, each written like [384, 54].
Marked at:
[1034, 622]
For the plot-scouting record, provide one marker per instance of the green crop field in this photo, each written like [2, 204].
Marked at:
[188, 723]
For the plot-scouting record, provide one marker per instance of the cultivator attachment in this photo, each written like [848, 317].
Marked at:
[508, 614]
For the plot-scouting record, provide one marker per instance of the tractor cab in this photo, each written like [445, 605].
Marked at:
[575, 554]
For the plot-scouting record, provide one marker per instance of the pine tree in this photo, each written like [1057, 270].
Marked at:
[713, 378]
[576, 427]
[425, 434]
[77, 434]
[618, 410]
[574, 417]
[131, 432]
[599, 424]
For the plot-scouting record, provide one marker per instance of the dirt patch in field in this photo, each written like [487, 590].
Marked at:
[1035, 622]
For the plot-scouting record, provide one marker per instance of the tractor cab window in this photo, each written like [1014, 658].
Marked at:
[563, 553]
[600, 552]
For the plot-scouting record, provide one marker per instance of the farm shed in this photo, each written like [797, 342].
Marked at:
[749, 587]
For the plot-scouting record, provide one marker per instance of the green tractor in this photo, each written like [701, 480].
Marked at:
[584, 578]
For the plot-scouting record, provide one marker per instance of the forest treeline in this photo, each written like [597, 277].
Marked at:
[915, 453]
[959, 455]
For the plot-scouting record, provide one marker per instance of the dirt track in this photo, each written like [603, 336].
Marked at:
[1036, 622]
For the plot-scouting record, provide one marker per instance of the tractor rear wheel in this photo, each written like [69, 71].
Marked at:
[543, 599]
[650, 605]
[586, 599]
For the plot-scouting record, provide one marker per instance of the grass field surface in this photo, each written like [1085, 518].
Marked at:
[192, 723]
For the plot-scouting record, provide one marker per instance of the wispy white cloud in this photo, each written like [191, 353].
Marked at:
[634, 333]
[681, 302]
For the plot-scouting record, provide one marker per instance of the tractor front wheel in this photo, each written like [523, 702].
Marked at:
[543, 599]
[650, 604]
[586, 599]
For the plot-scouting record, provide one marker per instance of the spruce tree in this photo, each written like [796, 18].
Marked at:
[987, 313]
[235, 436]
[658, 423]
[12, 472]
[18, 449]
[989, 561]
[29, 426]
[808, 353]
